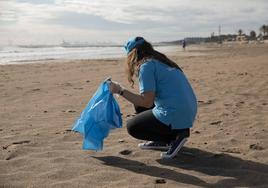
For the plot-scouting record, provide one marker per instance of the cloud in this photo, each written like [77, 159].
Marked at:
[131, 12]
[135, 12]
[118, 19]
[36, 1]
[7, 12]
[125, 11]
[26, 12]
[8, 16]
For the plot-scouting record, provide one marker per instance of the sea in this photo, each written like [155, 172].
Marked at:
[34, 54]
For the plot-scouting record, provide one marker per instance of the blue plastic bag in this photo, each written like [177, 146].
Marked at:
[101, 114]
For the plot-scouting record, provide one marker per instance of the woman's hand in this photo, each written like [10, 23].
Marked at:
[115, 87]
[145, 99]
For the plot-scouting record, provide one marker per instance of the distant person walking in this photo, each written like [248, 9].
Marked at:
[184, 45]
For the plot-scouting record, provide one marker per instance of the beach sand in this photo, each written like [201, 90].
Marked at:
[228, 146]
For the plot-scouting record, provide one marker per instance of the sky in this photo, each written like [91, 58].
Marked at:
[114, 21]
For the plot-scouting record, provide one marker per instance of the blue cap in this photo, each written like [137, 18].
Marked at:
[133, 43]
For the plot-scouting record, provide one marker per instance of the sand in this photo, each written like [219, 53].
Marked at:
[228, 146]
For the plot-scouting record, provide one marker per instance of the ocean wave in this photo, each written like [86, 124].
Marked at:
[20, 54]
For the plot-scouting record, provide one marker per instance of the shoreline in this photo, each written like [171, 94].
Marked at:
[18, 55]
[176, 49]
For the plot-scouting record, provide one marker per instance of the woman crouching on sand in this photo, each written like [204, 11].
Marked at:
[166, 106]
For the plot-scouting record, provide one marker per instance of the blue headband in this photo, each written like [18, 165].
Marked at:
[133, 43]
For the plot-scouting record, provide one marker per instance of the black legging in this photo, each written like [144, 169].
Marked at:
[145, 126]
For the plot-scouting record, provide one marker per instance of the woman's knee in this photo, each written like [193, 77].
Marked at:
[138, 125]
[131, 127]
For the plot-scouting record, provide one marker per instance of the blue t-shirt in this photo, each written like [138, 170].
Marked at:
[175, 101]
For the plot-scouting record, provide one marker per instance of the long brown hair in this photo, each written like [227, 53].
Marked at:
[140, 54]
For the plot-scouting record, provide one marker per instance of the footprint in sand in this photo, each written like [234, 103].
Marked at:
[242, 74]
[67, 131]
[69, 110]
[121, 141]
[36, 89]
[239, 104]
[22, 142]
[64, 132]
[32, 90]
[219, 73]
[203, 103]
[216, 123]
[67, 84]
[160, 181]
[256, 147]
[12, 155]
[16, 143]
[231, 150]
[125, 152]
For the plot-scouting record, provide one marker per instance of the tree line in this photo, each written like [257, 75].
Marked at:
[263, 32]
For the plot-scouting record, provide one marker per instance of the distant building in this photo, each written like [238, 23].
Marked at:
[242, 38]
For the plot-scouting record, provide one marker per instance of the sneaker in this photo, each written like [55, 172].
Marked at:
[174, 149]
[154, 145]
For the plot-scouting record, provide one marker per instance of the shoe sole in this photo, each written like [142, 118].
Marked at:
[141, 146]
[164, 155]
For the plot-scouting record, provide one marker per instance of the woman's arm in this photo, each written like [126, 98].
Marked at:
[145, 99]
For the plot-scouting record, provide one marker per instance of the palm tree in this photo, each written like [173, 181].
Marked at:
[264, 29]
[240, 31]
